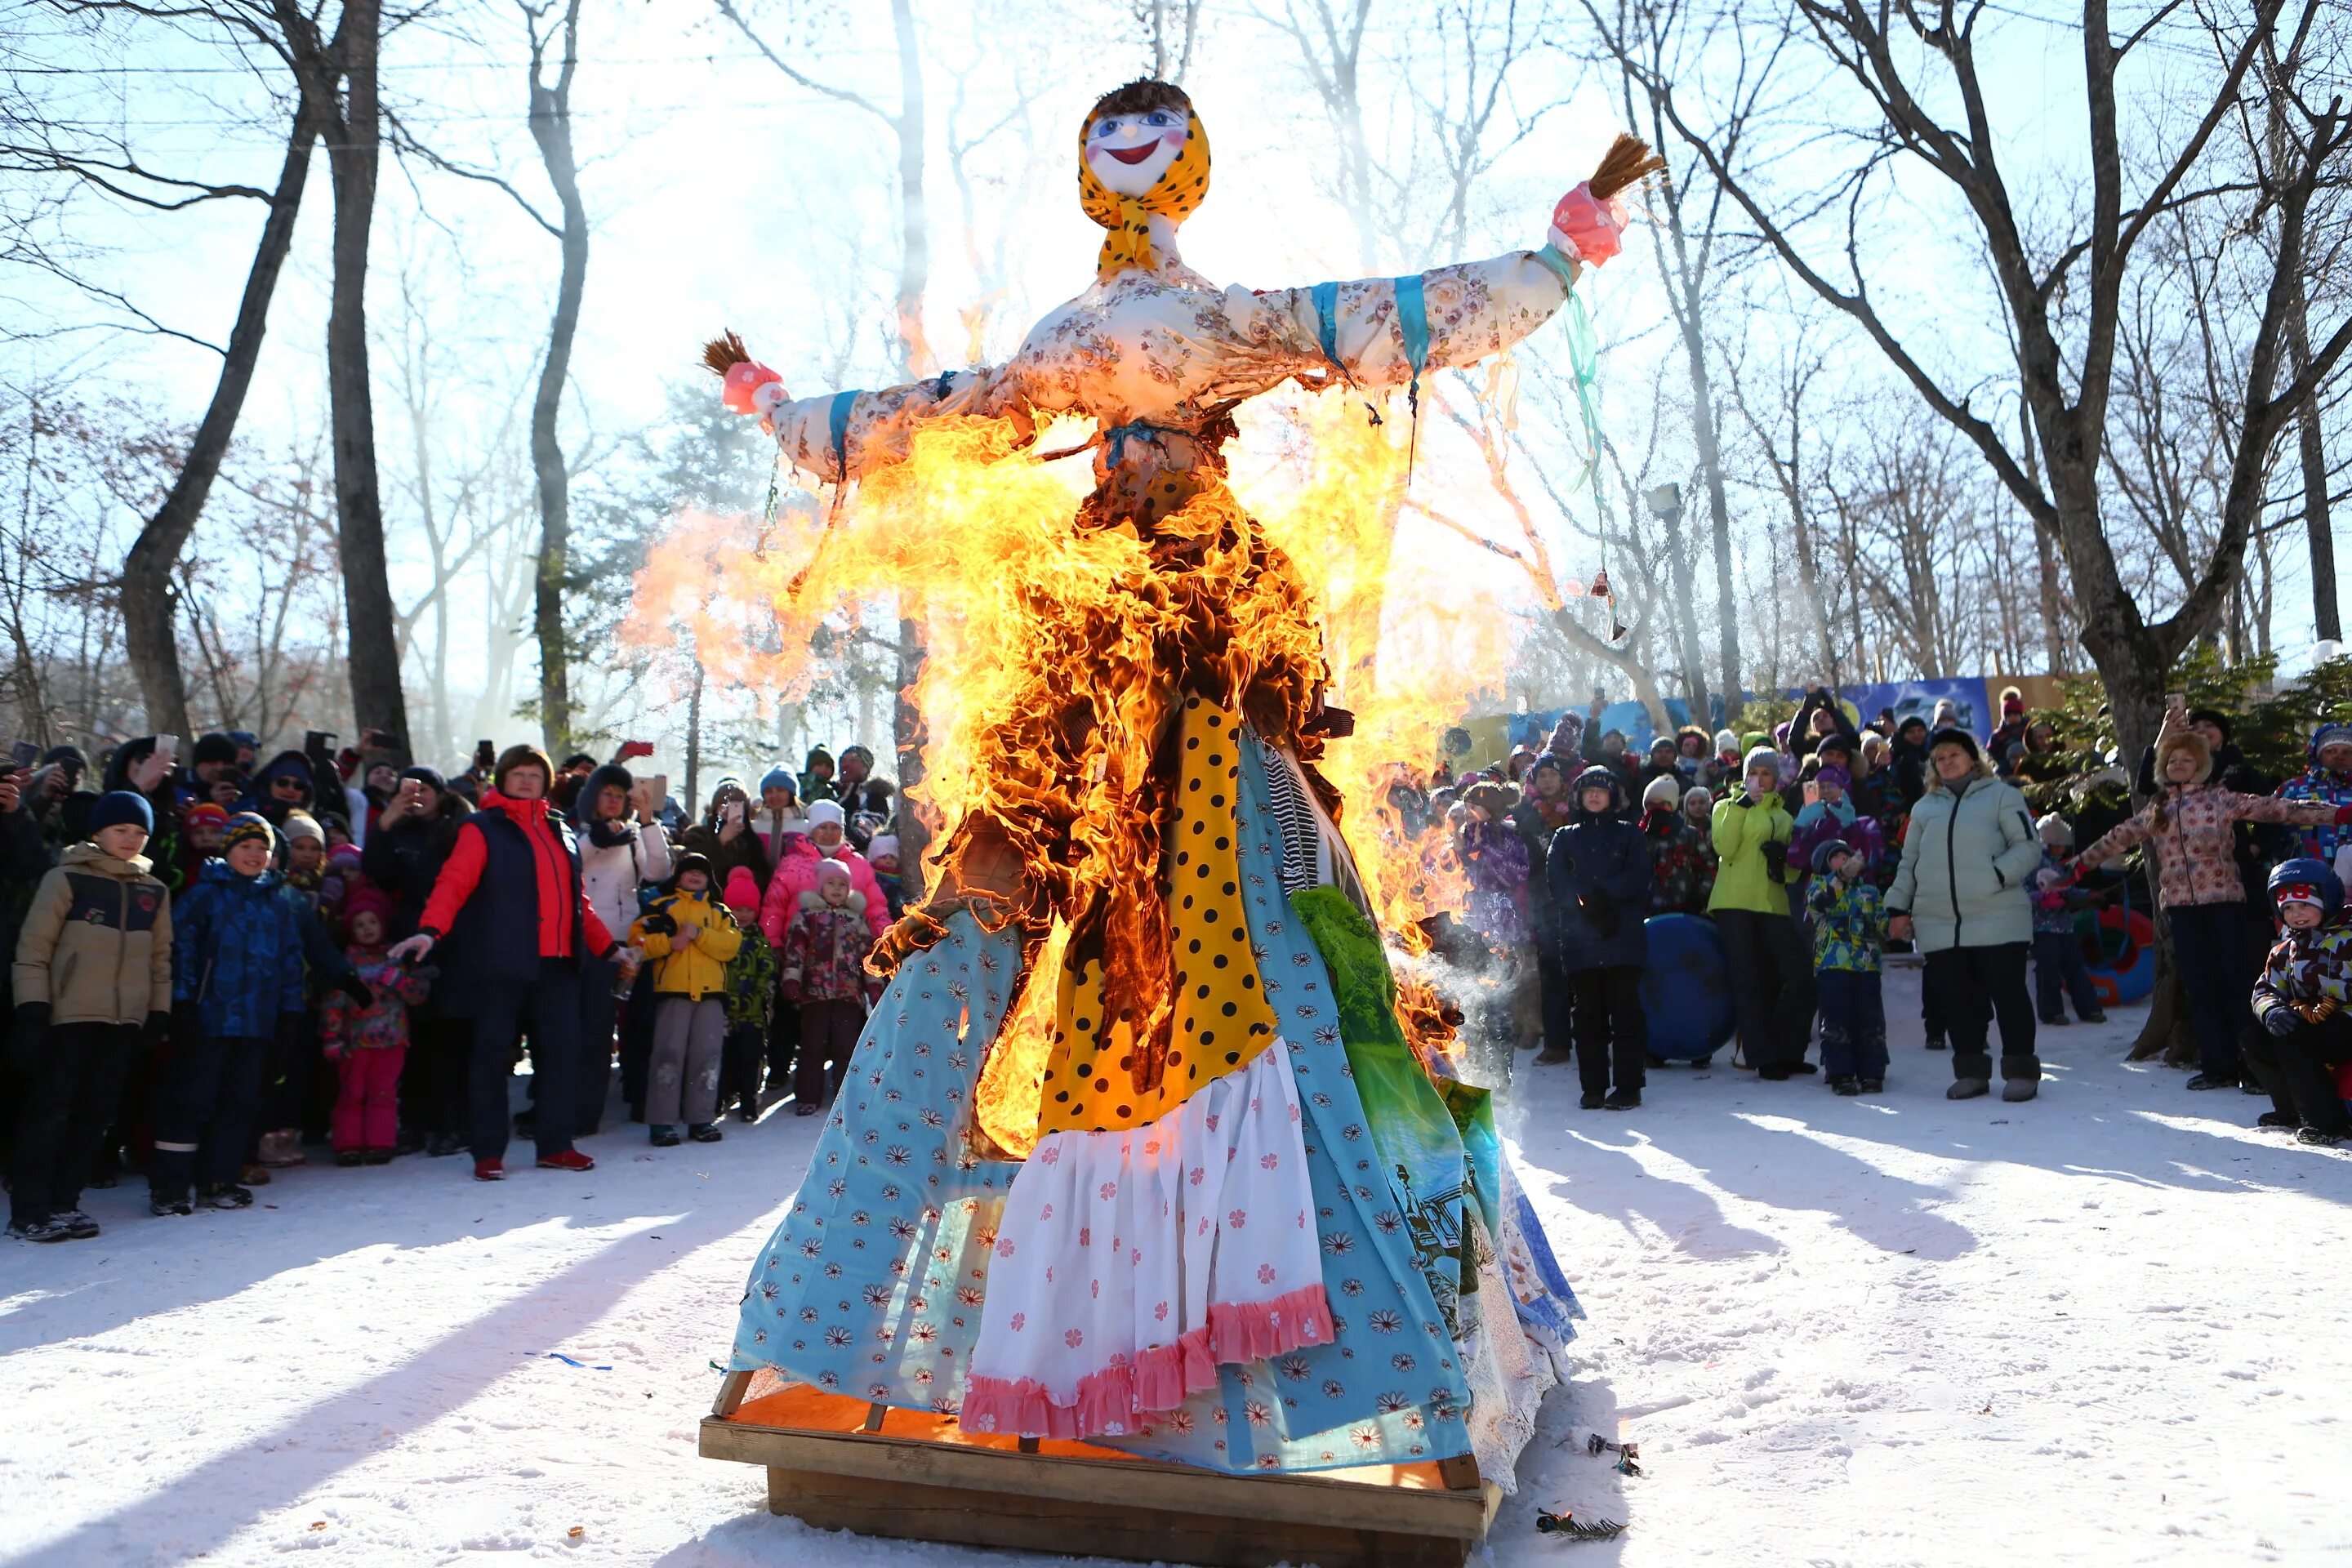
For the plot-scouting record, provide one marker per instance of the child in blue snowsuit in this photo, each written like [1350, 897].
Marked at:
[2059, 970]
[1849, 933]
[237, 983]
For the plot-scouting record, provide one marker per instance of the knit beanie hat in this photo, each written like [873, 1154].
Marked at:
[882, 844]
[821, 812]
[2328, 735]
[1834, 776]
[1763, 757]
[300, 826]
[344, 858]
[121, 808]
[214, 749]
[429, 777]
[780, 777]
[1953, 735]
[1662, 792]
[1825, 854]
[743, 891]
[367, 901]
[830, 870]
[247, 825]
[204, 814]
[1725, 740]
[690, 861]
[2056, 826]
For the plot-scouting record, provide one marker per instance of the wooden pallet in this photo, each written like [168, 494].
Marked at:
[839, 1463]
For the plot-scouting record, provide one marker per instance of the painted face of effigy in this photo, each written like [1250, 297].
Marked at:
[1129, 152]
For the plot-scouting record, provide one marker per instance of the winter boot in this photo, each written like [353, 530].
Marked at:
[2205, 1081]
[805, 1108]
[2022, 1077]
[80, 1224]
[1847, 1087]
[1623, 1099]
[347, 1158]
[1934, 1042]
[444, 1143]
[253, 1175]
[224, 1195]
[2278, 1119]
[1969, 1089]
[1874, 1086]
[280, 1150]
[705, 1132]
[53, 1228]
[570, 1160]
[379, 1157]
[2319, 1138]
[489, 1170]
[663, 1136]
[162, 1207]
[1593, 1099]
[1553, 1055]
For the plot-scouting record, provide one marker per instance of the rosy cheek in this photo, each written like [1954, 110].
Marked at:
[1174, 138]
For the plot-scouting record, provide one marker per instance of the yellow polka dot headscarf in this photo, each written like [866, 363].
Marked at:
[1176, 194]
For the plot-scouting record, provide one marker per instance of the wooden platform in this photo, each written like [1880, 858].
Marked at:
[841, 1464]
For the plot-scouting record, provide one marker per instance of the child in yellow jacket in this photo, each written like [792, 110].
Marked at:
[689, 937]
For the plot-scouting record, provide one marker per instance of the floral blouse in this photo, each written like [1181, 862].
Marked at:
[1170, 348]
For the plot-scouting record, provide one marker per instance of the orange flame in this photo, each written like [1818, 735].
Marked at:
[1038, 625]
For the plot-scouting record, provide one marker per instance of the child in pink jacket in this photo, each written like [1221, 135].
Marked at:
[802, 857]
[369, 1044]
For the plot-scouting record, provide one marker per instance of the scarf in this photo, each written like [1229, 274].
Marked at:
[1175, 196]
[606, 834]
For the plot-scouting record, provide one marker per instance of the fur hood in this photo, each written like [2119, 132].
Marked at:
[812, 899]
[2183, 739]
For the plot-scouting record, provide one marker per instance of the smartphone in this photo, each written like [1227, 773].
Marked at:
[167, 745]
[2177, 701]
[485, 756]
[25, 753]
[661, 791]
[1812, 792]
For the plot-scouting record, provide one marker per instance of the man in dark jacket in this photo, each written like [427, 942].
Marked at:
[1908, 760]
[1599, 872]
[1543, 810]
[407, 845]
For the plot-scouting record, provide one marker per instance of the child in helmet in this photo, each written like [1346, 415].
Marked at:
[2300, 1003]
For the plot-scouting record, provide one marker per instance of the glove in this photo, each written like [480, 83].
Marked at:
[1776, 859]
[659, 924]
[2281, 1020]
[151, 1032]
[350, 984]
[28, 1039]
[1601, 909]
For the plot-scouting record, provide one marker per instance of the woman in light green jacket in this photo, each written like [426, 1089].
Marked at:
[1961, 892]
[1772, 965]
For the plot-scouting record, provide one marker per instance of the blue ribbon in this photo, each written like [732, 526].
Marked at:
[1326, 322]
[1413, 320]
[843, 402]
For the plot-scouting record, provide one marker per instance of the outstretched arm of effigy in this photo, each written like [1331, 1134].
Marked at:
[842, 436]
[847, 435]
[1370, 329]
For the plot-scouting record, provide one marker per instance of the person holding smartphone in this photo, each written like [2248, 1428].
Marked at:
[410, 840]
[725, 836]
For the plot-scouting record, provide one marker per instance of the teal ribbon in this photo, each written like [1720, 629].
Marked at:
[838, 417]
[1584, 361]
[1326, 322]
[1412, 322]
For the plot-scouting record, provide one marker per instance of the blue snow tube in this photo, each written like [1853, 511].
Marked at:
[1687, 989]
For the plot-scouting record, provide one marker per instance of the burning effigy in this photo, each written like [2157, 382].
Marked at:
[1144, 1143]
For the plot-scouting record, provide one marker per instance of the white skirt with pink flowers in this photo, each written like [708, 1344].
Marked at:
[1130, 1265]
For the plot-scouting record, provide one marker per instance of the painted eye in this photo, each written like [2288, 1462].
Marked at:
[1106, 128]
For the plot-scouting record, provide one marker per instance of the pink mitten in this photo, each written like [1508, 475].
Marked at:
[1588, 226]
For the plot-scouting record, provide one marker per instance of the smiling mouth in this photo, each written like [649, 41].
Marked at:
[1133, 154]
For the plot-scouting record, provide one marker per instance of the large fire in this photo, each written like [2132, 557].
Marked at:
[1052, 646]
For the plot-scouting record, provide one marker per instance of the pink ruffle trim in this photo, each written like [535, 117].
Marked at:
[1112, 1402]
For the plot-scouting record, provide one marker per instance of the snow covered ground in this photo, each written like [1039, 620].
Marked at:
[2105, 1328]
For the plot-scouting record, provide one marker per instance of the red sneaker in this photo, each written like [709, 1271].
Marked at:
[489, 1170]
[569, 1159]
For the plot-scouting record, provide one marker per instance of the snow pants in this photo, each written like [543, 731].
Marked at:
[2060, 971]
[1853, 1023]
[1559, 996]
[367, 1099]
[682, 1076]
[2209, 944]
[2297, 1070]
[205, 1113]
[829, 1032]
[1771, 984]
[549, 1006]
[433, 1084]
[599, 1010]
[739, 1066]
[1975, 986]
[1612, 1035]
[69, 1101]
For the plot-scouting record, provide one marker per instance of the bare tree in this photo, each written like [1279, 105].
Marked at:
[2063, 297]
[551, 128]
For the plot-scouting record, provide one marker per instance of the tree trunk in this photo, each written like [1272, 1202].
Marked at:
[551, 128]
[915, 233]
[151, 641]
[694, 740]
[2318, 523]
[1686, 620]
[352, 158]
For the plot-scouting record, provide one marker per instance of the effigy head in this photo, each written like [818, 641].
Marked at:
[1141, 153]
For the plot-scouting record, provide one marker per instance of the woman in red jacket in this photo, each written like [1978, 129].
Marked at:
[511, 901]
